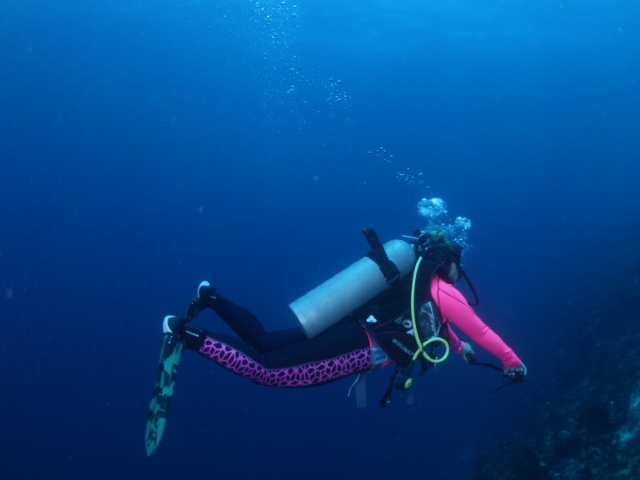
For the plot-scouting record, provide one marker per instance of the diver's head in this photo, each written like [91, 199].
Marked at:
[446, 253]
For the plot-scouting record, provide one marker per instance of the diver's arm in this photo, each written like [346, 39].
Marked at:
[454, 342]
[455, 308]
[458, 346]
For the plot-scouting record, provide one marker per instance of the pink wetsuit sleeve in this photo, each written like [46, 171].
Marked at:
[454, 308]
[454, 342]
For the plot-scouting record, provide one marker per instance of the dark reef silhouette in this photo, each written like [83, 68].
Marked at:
[587, 425]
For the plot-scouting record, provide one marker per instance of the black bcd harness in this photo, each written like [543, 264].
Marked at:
[387, 317]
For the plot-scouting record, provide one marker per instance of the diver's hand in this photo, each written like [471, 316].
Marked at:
[516, 374]
[468, 354]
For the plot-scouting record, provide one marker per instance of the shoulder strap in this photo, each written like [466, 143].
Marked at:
[378, 255]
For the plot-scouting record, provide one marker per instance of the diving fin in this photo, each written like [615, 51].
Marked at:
[162, 394]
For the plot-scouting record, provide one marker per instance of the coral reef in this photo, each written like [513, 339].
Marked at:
[588, 426]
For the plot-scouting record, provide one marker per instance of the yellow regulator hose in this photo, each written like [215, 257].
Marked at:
[434, 339]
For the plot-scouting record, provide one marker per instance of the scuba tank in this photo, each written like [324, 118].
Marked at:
[354, 286]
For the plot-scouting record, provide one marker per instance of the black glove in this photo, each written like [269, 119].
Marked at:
[516, 374]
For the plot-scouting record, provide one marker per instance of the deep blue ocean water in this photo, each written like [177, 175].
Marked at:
[146, 146]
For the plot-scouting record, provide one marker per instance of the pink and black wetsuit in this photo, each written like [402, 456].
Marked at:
[288, 359]
[283, 358]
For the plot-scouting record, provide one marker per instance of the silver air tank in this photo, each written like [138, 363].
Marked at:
[339, 296]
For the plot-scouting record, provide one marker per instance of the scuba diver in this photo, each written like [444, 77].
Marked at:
[396, 305]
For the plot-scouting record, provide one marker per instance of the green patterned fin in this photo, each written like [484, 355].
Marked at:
[163, 392]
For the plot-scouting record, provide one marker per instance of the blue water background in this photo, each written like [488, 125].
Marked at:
[145, 146]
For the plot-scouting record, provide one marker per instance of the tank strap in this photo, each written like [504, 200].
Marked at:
[378, 255]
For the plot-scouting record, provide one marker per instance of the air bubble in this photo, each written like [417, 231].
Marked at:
[435, 210]
[432, 207]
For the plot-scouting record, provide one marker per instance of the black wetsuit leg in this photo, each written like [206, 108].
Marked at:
[247, 326]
